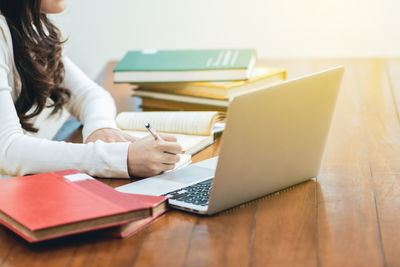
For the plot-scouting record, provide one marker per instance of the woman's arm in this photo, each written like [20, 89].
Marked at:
[93, 106]
[21, 154]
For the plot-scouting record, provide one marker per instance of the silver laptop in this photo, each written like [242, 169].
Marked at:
[274, 138]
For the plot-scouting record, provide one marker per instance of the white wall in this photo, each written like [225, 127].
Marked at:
[100, 30]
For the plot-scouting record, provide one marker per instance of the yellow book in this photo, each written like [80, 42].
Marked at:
[194, 130]
[152, 104]
[260, 76]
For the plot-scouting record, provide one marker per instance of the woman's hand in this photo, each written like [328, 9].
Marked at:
[149, 157]
[110, 135]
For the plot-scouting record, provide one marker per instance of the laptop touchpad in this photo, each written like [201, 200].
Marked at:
[188, 175]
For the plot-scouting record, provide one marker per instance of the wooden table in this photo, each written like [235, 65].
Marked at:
[348, 216]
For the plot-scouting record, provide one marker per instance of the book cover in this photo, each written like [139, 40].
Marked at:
[185, 65]
[49, 205]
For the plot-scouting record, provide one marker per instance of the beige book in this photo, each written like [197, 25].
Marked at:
[213, 91]
[194, 130]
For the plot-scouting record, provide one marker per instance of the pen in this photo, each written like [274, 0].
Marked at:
[152, 131]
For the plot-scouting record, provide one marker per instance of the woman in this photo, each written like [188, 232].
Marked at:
[34, 75]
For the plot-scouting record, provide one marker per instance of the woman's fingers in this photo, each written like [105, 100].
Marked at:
[109, 135]
[170, 147]
[168, 137]
[168, 158]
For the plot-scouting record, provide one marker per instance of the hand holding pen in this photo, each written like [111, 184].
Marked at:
[153, 155]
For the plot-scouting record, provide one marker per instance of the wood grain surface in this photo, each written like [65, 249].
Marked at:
[348, 216]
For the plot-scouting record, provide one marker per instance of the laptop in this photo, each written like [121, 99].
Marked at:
[274, 138]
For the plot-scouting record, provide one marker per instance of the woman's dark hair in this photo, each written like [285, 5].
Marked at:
[37, 49]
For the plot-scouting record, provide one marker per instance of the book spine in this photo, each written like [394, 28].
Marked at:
[207, 93]
[181, 98]
[150, 104]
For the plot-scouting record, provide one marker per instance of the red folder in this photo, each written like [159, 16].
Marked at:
[49, 205]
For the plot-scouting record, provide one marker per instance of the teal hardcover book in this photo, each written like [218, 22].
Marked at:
[185, 65]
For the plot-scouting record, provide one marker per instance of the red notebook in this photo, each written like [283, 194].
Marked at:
[49, 205]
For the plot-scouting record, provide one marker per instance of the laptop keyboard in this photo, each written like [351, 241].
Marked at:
[196, 194]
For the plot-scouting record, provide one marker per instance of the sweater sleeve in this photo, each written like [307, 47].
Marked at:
[21, 154]
[90, 103]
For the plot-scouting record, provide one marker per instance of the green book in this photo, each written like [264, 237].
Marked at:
[147, 66]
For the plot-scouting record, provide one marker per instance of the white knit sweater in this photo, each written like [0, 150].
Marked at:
[22, 154]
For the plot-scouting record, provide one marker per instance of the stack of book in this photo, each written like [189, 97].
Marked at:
[193, 80]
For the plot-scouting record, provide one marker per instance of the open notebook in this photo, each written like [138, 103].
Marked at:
[194, 130]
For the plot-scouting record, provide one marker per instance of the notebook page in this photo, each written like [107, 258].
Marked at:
[194, 123]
